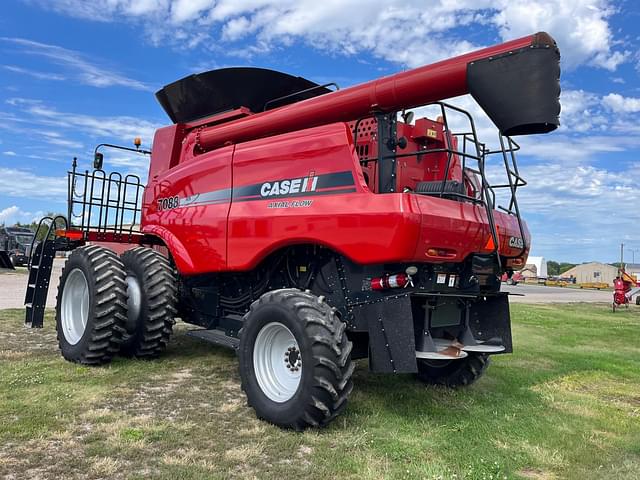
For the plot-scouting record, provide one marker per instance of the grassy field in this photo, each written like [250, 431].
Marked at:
[565, 405]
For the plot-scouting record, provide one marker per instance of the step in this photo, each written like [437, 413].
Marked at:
[217, 337]
[484, 348]
[444, 350]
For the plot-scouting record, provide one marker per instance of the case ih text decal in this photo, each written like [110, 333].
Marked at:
[311, 185]
[285, 187]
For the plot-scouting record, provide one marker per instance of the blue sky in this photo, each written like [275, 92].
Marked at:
[74, 73]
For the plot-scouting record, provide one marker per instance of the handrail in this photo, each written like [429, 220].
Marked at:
[46, 237]
[479, 152]
[104, 202]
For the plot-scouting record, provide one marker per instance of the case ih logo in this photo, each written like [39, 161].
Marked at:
[516, 242]
[286, 187]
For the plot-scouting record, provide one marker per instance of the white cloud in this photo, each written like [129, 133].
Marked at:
[9, 153]
[16, 182]
[580, 27]
[619, 104]
[78, 67]
[34, 73]
[571, 211]
[14, 214]
[184, 10]
[407, 32]
[114, 127]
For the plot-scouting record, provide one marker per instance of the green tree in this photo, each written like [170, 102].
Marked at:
[565, 266]
[553, 267]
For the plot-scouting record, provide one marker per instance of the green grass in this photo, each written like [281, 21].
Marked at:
[566, 404]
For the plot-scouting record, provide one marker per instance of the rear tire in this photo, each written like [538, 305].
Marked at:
[91, 306]
[295, 360]
[453, 373]
[151, 302]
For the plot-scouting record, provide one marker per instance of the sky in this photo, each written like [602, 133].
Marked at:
[75, 73]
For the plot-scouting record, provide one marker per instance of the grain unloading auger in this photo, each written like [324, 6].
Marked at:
[307, 229]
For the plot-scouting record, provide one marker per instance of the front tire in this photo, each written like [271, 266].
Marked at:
[151, 303]
[91, 306]
[295, 360]
[453, 373]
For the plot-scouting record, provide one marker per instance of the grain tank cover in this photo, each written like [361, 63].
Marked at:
[204, 94]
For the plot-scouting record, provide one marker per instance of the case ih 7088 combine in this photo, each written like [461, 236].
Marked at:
[308, 228]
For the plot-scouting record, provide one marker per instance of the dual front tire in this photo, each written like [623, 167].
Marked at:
[108, 305]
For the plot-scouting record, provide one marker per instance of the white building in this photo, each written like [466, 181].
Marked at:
[540, 264]
[633, 269]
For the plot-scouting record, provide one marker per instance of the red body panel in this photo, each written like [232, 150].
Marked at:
[211, 232]
[196, 235]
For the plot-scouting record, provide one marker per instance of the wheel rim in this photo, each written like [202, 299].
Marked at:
[75, 306]
[134, 301]
[277, 362]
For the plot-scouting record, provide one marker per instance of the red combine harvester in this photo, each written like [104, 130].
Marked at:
[307, 228]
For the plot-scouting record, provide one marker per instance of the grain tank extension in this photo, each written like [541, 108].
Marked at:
[307, 227]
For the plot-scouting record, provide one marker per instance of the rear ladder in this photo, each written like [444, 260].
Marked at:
[40, 266]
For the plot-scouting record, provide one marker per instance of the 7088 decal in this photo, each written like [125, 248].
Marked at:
[168, 203]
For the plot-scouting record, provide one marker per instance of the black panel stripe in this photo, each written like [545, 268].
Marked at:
[328, 183]
[206, 197]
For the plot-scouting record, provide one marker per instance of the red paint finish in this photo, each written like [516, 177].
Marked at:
[368, 228]
[166, 150]
[428, 138]
[439, 81]
[361, 225]
[197, 167]
[196, 235]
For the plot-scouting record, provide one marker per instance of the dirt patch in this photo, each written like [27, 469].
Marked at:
[535, 474]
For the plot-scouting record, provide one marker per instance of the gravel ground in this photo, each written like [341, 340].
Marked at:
[542, 294]
[13, 286]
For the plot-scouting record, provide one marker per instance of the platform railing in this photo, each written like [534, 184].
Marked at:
[104, 203]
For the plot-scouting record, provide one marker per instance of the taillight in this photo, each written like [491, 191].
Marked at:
[70, 234]
[441, 253]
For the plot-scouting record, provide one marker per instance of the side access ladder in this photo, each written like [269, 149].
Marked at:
[40, 266]
[35, 299]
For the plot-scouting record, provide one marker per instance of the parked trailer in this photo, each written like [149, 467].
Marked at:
[307, 228]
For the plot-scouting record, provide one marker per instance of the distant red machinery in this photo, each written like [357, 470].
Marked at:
[625, 286]
[513, 279]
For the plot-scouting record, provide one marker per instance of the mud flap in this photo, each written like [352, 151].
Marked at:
[392, 346]
[5, 260]
[489, 318]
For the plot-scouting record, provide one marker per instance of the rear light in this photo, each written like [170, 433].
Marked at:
[70, 234]
[441, 253]
[516, 262]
